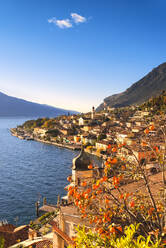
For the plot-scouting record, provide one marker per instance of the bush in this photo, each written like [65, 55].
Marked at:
[2, 242]
[91, 239]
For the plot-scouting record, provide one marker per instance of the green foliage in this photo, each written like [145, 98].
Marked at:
[42, 220]
[128, 240]
[49, 123]
[2, 242]
[101, 136]
[30, 124]
[35, 226]
[53, 132]
[91, 239]
[156, 104]
[44, 216]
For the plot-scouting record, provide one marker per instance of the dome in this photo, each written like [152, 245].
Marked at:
[81, 162]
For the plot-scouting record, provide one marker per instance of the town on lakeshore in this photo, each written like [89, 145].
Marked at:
[83, 124]
[104, 198]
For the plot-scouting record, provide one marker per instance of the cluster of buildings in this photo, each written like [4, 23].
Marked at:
[62, 227]
[97, 132]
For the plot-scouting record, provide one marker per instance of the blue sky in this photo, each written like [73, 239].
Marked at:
[74, 53]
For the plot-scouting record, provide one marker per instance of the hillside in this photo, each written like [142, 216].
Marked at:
[155, 105]
[12, 106]
[150, 85]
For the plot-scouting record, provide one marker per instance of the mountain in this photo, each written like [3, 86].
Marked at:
[150, 85]
[155, 105]
[12, 106]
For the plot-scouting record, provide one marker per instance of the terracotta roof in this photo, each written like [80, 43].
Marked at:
[11, 236]
[155, 183]
[138, 148]
[7, 228]
[42, 244]
[103, 142]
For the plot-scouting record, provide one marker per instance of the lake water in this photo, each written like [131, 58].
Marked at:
[29, 171]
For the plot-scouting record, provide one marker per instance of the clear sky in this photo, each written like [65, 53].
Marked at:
[74, 53]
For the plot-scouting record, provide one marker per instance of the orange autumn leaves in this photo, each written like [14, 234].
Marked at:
[83, 198]
[112, 160]
[150, 128]
[90, 167]
[116, 181]
[92, 196]
[84, 184]
[146, 131]
[113, 148]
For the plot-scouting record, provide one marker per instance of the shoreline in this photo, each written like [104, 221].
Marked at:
[71, 147]
[27, 137]
[22, 136]
[66, 146]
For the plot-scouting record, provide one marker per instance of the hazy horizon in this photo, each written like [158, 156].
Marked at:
[73, 54]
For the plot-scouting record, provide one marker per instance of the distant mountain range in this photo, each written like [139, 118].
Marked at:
[150, 85]
[12, 106]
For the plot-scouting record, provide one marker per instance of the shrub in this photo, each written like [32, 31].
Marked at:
[91, 239]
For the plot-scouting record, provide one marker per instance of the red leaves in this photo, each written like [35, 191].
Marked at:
[156, 148]
[90, 167]
[114, 149]
[116, 182]
[106, 163]
[71, 192]
[106, 201]
[115, 229]
[144, 143]
[103, 179]
[151, 128]
[101, 230]
[109, 146]
[114, 161]
[84, 184]
[146, 131]
[121, 196]
[132, 204]
[69, 178]
[123, 167]
[95, 186]
[111, 161]
[119, 228]
[150, 211]
[112, 230]
[86, 196]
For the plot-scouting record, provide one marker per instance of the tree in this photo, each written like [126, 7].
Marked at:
[101, 136]
[110, 206]
[128, 240]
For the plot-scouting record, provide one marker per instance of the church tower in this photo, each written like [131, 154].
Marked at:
[93, 113]
[80, 170]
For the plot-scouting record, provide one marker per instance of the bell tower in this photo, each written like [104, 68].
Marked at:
[93, 113]
[80, 170]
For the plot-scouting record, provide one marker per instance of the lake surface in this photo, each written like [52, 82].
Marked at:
[29, 171]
